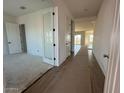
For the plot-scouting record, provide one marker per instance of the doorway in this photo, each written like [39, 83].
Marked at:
[77, 43]
[23, 38]
[89, 39]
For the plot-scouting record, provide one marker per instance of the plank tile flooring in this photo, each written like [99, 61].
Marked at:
[76, 75]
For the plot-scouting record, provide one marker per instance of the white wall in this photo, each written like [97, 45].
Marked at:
[63, 12]
[34, 32]
[11, 19]
[103, 32]
[85, 23]
[8, 18]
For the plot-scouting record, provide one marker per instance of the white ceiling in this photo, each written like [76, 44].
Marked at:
[12, 7]
[79, 8]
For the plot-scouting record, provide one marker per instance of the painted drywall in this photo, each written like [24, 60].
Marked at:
[63, 12]
[102, 33]
[84, 23]
[8, 18]
[34, 32]
[11, 19]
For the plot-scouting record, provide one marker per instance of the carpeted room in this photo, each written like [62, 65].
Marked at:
[26, 52]
[21, 70]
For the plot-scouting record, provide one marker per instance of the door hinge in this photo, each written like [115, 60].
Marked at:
[54, 58]
[53, 13]
[53, 29]
[54, 44]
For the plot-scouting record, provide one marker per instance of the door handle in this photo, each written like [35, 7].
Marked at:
[106, 56]
[9, 42]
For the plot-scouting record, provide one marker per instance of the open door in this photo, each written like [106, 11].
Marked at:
[48, 37]
[68, 37]
[112, 81]
[13, 37]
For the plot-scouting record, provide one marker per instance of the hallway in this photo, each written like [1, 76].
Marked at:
[73, 76]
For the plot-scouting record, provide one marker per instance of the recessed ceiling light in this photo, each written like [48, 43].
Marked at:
[23, 7]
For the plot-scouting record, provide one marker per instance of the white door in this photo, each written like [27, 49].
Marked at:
[13, 37]
[68, 37]
[112, 80]
[48, 37]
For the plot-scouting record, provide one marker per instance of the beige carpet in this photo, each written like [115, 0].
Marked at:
[21, 70]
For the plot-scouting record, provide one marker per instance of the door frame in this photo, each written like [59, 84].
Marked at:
[23, 39]
[56, 36]
[82, 33]
[112, 81]
[68, 34]
[72, 37]
[80, 38]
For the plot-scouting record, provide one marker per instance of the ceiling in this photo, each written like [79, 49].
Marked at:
[83, 8]
[78, 8]
[85, 24]
[12, 7]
